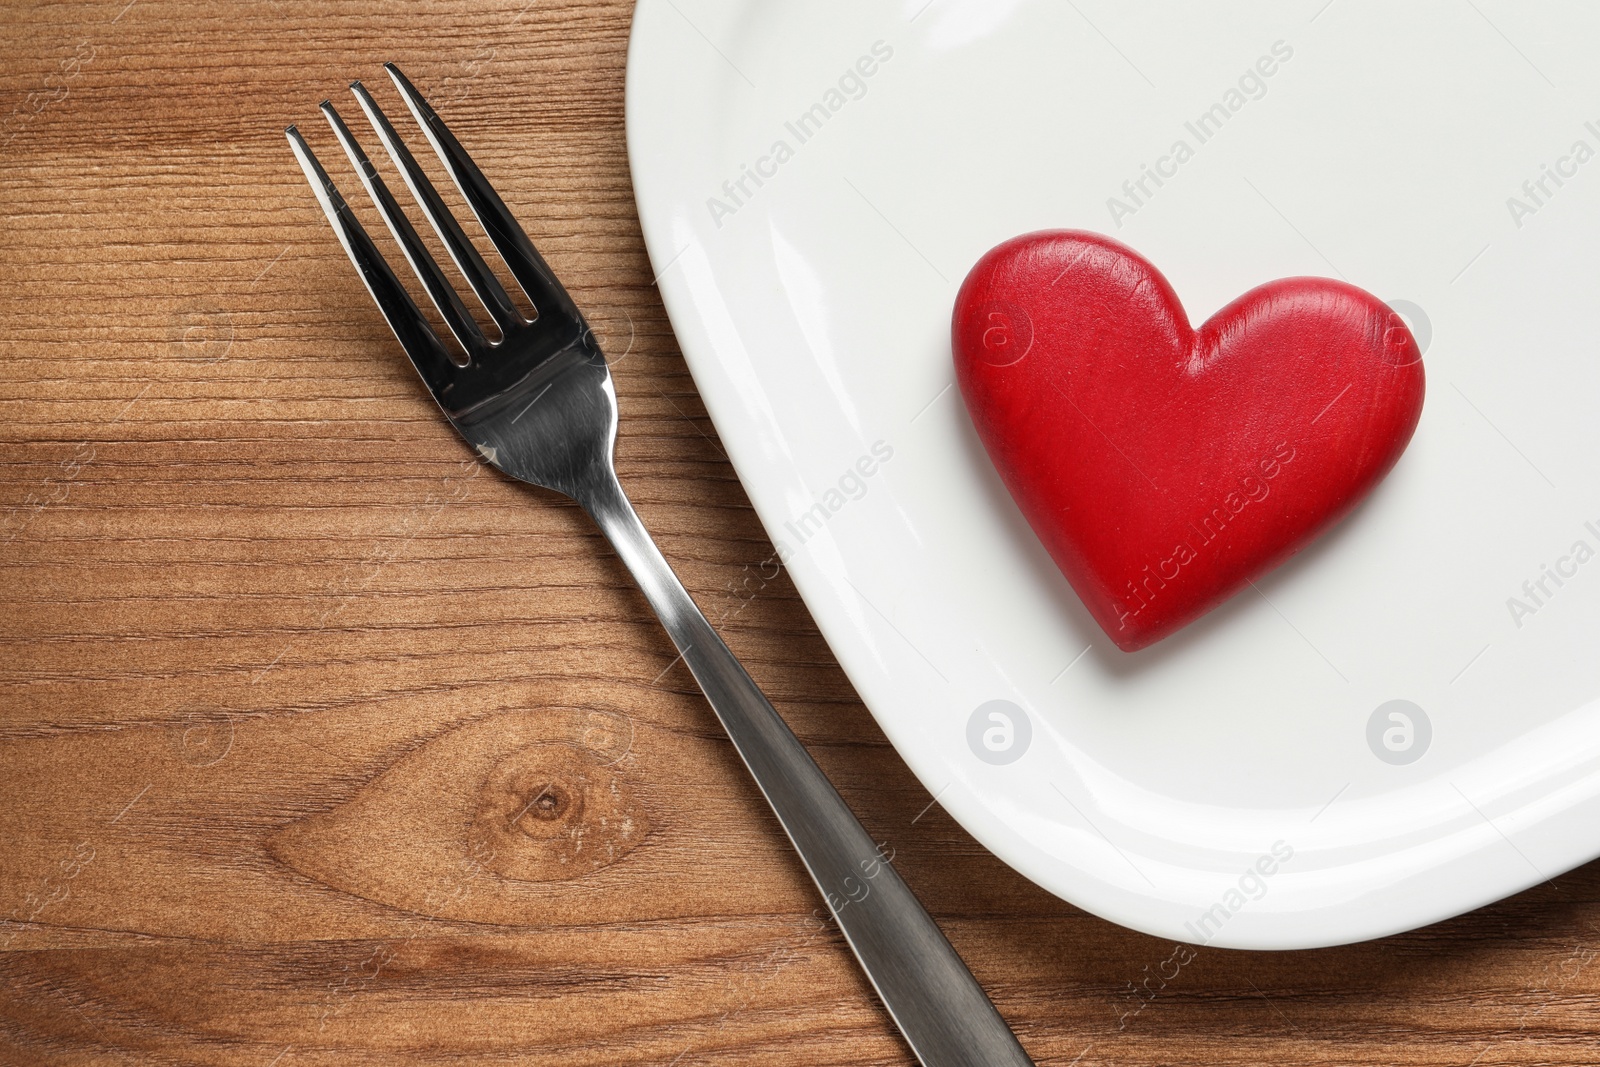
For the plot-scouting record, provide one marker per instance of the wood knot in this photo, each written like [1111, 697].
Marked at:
[548, 802]
[485, 821]
[552, 812]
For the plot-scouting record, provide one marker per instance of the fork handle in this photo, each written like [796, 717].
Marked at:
[934, 1000]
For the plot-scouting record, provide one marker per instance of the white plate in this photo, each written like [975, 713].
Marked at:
[814, 310]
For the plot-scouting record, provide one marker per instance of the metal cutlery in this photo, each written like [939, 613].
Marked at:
[538, 404]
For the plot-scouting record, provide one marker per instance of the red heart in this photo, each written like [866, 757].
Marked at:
[1165, 467]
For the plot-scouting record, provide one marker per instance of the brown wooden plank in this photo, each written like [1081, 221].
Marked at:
[281, 669]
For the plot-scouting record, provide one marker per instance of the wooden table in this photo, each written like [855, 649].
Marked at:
[322, 744]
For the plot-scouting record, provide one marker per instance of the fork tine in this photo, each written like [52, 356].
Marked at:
[415, 335]
[466, 257]
[510, 240]
[433, 280]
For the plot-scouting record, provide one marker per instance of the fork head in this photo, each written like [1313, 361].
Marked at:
[536, 401]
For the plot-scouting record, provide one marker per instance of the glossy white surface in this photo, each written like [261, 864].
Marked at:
[814, 311]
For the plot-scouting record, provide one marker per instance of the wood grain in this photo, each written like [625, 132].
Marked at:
[323, 745]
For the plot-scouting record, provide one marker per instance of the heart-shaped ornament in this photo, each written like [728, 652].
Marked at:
[1165, 467]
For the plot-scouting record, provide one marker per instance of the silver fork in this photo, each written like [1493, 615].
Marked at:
[538, 404]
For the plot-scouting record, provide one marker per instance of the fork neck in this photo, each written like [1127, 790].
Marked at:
[603, 498]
